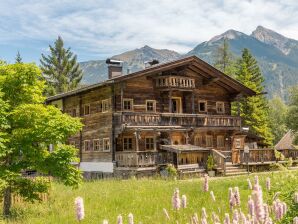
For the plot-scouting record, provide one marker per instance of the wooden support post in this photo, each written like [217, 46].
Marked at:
[192, 102]
[154, 140]
[137, 140]
[170, 101]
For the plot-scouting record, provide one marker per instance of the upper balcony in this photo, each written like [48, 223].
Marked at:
[175, 82]
[178, 119]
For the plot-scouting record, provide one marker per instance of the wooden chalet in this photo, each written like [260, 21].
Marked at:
[177, 112]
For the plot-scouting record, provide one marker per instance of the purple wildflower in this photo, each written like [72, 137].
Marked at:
[295, 220]
[235, 216]
[268, 183]
[206, 184]
[119, 219]
[130, 218]
[183, 201]
[176, 200]
[251, 206]
[80, 212]
[227, 219]
[258, 203]
[237, 196]
[249, 184]
[195, 218]
[204, 213]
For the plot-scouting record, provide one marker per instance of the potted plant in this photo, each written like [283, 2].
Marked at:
[210, 166]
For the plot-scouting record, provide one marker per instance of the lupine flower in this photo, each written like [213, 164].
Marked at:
[249, 184]
[176, 200]
[215, 218]
[242, 218]
[212, 196]
[231, 193]
[166, 213]
[268, 183]
[266, 212]
[80, 212]
[105, 222]
[227, 219]
[204, 213]
[258, 203]
[235, 216]
[295, 220]
[183, 201]
[204, 221]
[119, 219]
[206, 184]
[256, 180]
[296, 197]
[251, 206]
[195, 218]
[279, 208]
[237, 196]
[130, 218]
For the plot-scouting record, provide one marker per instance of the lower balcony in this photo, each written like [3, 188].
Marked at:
[183, 120]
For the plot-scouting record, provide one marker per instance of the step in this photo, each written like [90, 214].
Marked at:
[236, 170]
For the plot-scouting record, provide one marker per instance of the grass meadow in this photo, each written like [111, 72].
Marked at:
[146, 198]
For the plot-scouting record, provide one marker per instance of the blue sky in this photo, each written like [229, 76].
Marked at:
[96, 29]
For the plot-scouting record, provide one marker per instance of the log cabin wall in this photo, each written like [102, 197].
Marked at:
[97, 131]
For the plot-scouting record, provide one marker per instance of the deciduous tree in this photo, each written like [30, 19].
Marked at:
[27, 128]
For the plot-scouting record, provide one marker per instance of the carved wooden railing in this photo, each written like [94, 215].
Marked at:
[173, 119]
[175, 81]
[220, 160]
[266, 155]
[138, 159]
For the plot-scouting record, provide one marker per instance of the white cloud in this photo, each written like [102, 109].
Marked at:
[109, 27]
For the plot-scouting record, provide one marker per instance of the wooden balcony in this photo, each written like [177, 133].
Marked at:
[139, 158]
[175, 82]
[183, 120]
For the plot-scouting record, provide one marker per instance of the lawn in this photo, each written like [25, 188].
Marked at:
[146, 199]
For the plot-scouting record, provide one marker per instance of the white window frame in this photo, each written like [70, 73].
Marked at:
[154, 106]
[153, 143]
[209, 136]
[85, 141]
[127, 149]
[131, 104]
[223, 107]
[105, 105]
[205, 102]
[217, 141]
[84, 107]
[99, 145]
[104, 144]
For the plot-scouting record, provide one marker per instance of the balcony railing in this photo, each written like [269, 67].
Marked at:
[172, 119]
[175, 81]
[140, 158]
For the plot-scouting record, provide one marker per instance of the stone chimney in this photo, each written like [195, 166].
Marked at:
[114, 68]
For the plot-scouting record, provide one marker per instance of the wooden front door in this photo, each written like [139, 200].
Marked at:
[238, 144]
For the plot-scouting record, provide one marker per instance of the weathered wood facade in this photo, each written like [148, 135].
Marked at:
[169, 113]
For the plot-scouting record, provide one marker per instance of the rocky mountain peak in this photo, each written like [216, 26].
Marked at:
[272, 38]
[229, 34]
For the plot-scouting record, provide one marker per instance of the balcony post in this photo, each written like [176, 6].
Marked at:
[170, 101]
[137, 134]
[192, 102]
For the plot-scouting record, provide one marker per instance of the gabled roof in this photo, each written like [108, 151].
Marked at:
[286, 142]
[193, 63]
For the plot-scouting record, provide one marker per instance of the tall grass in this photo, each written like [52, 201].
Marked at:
[146, 199]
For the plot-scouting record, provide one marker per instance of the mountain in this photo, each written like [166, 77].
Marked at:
[95, 71]
[277, 56]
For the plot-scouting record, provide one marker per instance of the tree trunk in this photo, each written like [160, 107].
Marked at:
[7, 202]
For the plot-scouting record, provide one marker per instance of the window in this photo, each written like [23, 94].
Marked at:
[106, 144]
[74, 112]
[87, 109]
[149, 143]
[127, 104]
[209, 140]
[199, 140]
[127, 144]
[96, 145]
[87, 145]
[237, 143]
[220, 141]
[202, 106]
[150, 105]
[106, 105]
[220, 107]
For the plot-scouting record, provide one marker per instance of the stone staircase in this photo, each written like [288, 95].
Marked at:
[234, 169]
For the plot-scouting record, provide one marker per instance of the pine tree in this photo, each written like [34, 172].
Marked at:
[224, 60]
[292, 115]
[254, 110]
[60, 69]
[19, 58]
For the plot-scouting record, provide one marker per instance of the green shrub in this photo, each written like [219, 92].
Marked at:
[172, 171]
[210, 163]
